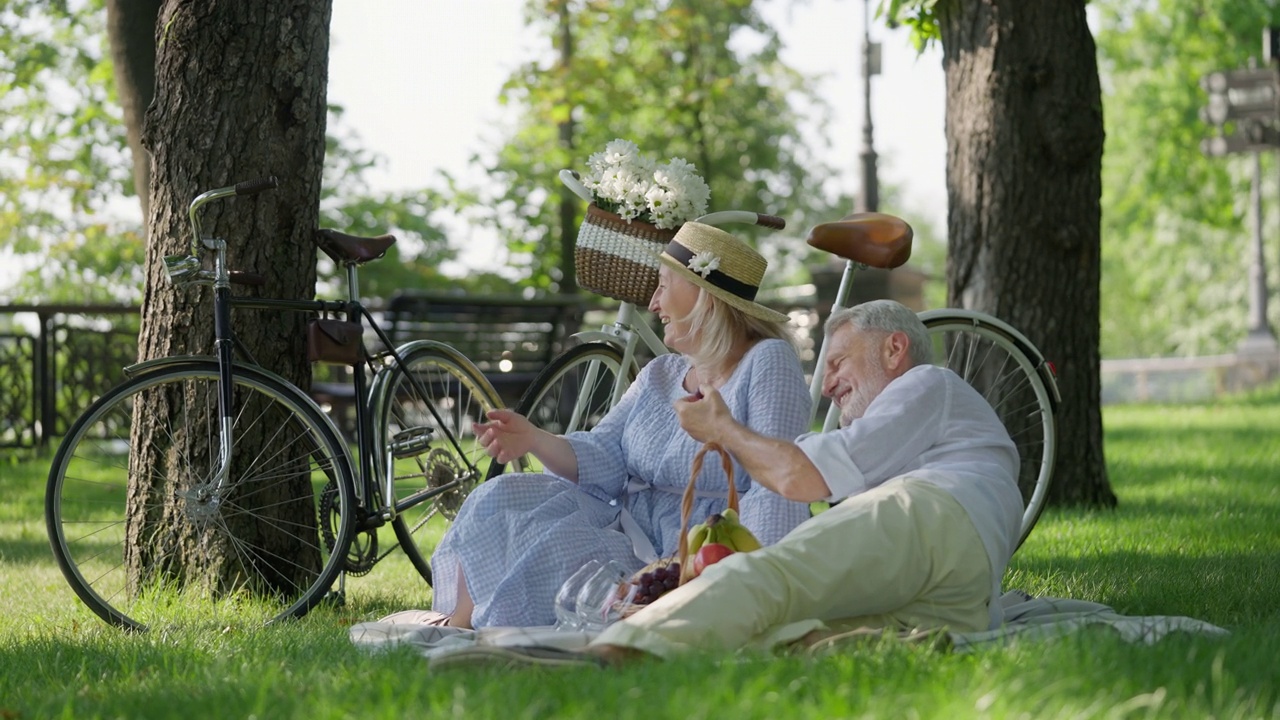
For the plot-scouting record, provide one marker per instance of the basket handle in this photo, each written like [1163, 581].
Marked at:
[686, 505]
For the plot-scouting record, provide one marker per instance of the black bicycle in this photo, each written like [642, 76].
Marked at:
[208, 487]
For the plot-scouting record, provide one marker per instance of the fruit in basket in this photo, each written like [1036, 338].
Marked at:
[722, 528]
[655, 580]
[736, 535]
[708, 555]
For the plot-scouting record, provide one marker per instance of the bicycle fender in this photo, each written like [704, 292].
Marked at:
[138, 368]
[1046, 374]
[208, 360]
[590, 336]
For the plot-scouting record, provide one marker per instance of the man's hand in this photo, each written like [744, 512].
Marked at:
[705, 416]
[776, 464]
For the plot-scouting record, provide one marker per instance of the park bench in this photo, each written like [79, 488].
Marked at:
[509, 338]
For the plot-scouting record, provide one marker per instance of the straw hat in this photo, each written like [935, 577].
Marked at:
[722, 265]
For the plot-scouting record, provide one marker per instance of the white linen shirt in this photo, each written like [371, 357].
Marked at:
[931, 425]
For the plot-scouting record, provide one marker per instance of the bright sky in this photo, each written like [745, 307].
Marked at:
[420, 81]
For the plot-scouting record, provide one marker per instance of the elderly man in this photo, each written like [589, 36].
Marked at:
[928, 516]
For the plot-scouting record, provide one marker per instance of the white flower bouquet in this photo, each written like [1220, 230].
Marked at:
[635, 187]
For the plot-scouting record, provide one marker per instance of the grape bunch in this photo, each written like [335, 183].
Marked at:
[653, 584]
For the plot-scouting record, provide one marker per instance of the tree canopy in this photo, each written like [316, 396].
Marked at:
[704, 84]
[63, 156]
[68, 207]
[1175, 223]
[700, 81]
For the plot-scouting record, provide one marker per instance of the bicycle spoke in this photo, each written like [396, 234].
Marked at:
[262, 535]
[989, 359]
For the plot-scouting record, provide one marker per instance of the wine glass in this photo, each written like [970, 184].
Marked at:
[602, 597]
[566, 603]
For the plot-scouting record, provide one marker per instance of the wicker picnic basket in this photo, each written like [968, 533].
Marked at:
[619, 259]
[686, 509]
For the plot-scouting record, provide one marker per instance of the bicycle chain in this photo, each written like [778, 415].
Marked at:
[361, 556]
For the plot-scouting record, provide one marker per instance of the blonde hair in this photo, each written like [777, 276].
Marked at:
[720, 326]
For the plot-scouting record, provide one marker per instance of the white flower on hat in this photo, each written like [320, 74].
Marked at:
[704, 263]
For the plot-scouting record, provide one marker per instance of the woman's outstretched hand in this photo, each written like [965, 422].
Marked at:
[507, 435]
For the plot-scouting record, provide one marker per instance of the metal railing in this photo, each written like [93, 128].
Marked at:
[1186, 379]
[54, 361]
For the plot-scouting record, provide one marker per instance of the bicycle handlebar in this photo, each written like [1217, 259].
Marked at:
[251, 187]
[186, 269]
[573, 181]
[248, 187]
[773, 222]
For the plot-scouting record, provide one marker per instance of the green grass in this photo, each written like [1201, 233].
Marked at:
[1197, 533]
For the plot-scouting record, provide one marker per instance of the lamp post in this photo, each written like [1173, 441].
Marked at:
[869, 198]
[1260, 338]
[1249, 97]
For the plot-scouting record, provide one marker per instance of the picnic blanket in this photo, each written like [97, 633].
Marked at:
[1026, 617]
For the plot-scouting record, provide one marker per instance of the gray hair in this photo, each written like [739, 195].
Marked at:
[886, 316]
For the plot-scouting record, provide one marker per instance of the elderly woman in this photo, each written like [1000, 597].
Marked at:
[614, 492]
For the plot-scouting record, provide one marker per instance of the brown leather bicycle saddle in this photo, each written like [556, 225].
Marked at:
[875, 239]
[344, 248]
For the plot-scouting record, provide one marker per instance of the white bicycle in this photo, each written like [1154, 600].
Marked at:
[580, 385]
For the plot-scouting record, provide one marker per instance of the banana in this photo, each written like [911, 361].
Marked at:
[725, 529]
[699, 535]
[736, 535]
[741, 539]
[717, 530]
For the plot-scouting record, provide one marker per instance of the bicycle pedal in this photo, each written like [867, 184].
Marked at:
[410, 443]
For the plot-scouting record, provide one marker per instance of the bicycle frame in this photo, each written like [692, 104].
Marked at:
[626, 331]
[187, 270]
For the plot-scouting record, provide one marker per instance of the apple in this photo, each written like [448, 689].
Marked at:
[709, 554]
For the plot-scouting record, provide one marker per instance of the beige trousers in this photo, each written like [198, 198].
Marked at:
[904, 555]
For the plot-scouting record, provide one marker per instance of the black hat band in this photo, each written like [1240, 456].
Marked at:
[725, 282]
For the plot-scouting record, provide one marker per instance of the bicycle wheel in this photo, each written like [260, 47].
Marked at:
[424, 412]
[148, 536]
[575, 391]
[1013, 376]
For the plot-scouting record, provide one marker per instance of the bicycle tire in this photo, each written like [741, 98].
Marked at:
[461, 395]
[256, 553]
[551, 399]
[1013, 376]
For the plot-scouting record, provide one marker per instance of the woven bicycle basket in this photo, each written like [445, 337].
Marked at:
[686, 509]
[619, 259]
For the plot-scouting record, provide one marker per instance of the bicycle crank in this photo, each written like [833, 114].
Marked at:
[362, 553]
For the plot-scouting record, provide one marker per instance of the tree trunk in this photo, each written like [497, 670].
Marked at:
[240, 95]
[131, 28]
[1024, 161]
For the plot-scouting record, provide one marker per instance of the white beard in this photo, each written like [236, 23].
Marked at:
[856, 404]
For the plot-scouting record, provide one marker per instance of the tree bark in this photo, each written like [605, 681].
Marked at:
[131, 29]
[1024, 161]
[239, 95]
